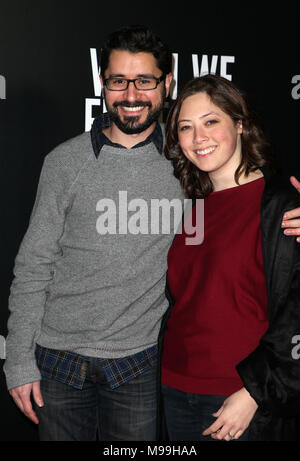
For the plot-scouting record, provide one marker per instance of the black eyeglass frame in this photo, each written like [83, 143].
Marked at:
[133, 80]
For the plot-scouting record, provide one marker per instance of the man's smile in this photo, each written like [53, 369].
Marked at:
[132, 108]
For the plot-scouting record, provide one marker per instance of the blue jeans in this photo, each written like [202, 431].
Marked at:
[125, 413]
[188, 415]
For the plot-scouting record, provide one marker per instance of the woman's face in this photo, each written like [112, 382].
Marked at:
[208, 136]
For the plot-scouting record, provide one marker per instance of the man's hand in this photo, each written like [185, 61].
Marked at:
[233, 417]
[291, 225]
[21, 396]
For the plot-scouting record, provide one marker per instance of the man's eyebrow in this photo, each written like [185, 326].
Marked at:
[138, 76]
[116, 75]
[147, 75]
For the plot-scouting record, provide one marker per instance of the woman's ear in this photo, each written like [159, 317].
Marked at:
[239, 126]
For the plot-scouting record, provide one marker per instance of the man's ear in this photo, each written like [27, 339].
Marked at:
[168, 81]
[102, 85]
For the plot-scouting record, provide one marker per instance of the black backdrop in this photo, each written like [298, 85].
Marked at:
[48, 94]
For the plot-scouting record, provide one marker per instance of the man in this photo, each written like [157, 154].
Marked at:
[87, 280]
[88, 294]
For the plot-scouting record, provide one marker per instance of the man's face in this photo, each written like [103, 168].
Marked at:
[132, 110]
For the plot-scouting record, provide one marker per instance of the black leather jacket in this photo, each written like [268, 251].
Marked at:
[271, 373]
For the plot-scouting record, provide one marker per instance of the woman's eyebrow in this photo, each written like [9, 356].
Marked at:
[202, 116]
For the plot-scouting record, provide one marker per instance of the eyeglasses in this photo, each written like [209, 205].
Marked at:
[140, 83]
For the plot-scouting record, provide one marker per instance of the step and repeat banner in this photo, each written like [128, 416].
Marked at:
[50, 91]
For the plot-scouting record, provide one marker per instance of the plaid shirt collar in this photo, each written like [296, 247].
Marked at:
[99, 139]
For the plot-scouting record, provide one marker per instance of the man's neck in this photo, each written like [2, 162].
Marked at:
[115, 135]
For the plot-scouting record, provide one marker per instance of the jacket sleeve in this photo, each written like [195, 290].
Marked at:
[271, 373]
[33, 271]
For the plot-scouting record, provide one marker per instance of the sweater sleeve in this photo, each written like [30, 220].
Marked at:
[271, 373]
[33, 271]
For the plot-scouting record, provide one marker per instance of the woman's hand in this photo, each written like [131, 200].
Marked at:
[233, 417]
[291, 219]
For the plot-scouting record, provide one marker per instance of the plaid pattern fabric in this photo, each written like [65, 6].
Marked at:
[71, 368]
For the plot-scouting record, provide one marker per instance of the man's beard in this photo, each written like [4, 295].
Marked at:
[130, 124]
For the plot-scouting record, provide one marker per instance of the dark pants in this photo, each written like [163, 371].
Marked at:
[125, 413]
[188, 415]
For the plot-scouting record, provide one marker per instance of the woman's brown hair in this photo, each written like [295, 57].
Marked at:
[225, 95]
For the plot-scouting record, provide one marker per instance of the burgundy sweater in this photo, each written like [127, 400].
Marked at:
[219, 287]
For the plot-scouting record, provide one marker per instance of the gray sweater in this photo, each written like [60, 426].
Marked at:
[90, 272]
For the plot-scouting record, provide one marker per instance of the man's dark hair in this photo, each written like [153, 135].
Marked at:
[137, 39]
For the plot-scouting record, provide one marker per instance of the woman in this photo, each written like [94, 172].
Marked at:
[228, 371]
